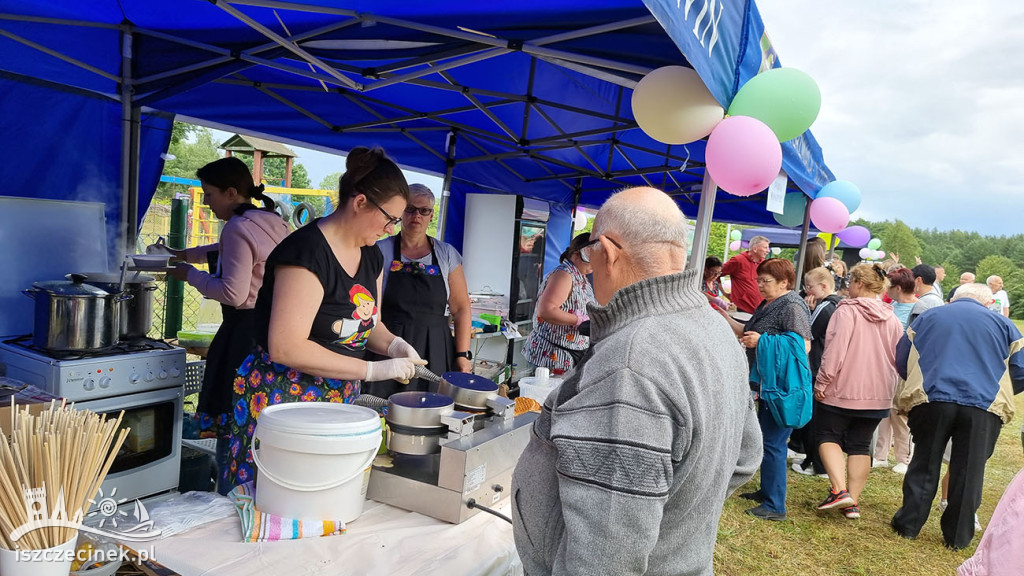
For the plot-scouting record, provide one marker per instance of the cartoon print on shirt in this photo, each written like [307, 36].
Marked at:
[353, 332]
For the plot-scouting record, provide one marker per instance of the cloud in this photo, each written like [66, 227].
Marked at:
[920, 104]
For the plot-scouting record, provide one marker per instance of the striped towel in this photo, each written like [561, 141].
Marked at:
[260, 527]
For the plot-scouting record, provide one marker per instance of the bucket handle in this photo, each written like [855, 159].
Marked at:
[310, 487]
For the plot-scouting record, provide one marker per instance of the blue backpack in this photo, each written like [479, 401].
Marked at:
[783, 371]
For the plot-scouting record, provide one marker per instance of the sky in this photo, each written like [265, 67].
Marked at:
[922, 104]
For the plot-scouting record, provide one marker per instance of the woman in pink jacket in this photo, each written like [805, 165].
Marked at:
[855, 385]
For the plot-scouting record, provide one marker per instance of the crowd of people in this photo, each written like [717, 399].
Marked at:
[668, 405]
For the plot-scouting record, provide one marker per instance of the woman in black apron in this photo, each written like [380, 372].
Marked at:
[237, 265]
[418, 294]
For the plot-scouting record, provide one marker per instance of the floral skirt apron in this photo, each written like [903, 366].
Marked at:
[261, 383]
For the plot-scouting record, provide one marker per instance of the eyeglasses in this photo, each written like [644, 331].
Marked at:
[412, 210]
[392, 221]
[763, 281]
[586, 248]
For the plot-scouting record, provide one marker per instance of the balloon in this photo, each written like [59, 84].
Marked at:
[829, 214]
[735, 235]
[875, 244]
[855, 236]
[744, 244]
[785, 99]
[865, 253]
[845, 192]
[880, 255]
[776, 250]
[673, 106]
[742, 155]
[793, 209]
[580, 221]
[734, 246]
[826, 237]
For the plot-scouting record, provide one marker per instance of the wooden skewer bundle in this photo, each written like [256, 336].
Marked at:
[62, 449]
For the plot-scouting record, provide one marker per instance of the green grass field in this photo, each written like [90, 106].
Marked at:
[810, 543]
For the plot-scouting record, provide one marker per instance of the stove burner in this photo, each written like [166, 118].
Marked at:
[123, 347]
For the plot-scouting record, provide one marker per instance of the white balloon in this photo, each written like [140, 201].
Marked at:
[673, 106]
[776, 250]
[580, 222]
[866, 253]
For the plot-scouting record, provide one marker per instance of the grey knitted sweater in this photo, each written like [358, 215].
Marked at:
[630, 461]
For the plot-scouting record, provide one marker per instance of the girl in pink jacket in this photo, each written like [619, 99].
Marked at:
[855, 385]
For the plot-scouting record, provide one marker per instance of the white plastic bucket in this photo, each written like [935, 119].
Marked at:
[54, 561]
[313, 459]
[538, 389]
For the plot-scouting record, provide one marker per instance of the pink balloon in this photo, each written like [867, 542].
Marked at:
[734, 246]
[829, 215]
[855, 236]
[743, 155]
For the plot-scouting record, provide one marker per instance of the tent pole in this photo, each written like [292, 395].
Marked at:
[702, 229]
[446, 184]
[803, 244]
[728, 235]
[129, 152]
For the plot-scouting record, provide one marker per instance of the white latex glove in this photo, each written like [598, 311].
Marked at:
[400, 369]
[399, 348]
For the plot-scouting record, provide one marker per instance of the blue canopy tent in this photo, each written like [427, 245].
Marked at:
[531, 98]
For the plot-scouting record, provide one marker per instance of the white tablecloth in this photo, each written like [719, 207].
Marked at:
[384, 541]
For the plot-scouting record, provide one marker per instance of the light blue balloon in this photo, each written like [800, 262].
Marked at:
[793, 210]
[845, 192]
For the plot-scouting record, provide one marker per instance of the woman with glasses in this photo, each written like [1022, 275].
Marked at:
[316, 314]
[423, 283]
[781, 311]
[556, 341]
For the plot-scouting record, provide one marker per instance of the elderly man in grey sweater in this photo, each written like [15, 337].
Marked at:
[630, 462]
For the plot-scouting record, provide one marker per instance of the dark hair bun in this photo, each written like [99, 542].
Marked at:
[369, 171]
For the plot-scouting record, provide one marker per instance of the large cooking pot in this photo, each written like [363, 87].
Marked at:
[137, 311]
[414, 422]
[74, 316]
[468, 390]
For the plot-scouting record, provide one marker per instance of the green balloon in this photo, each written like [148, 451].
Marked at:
[874, 244]
[793, 208]
[785, 99]
[736, 235]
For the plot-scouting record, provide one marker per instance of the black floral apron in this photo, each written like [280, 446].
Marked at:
[413, 307]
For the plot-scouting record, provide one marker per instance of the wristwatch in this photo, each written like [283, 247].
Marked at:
[467, 355]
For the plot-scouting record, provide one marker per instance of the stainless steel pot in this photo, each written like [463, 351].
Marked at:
[468, 390]
[74, 316]
[414, 422]
[137, 311]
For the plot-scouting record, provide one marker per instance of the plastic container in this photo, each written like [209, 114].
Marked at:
[190, 339]
[313, 459]
[538, 386]
[54, 561]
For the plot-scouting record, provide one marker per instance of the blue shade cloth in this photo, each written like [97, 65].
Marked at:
[213, 81]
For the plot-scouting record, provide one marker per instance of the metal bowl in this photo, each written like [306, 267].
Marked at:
[418, 409]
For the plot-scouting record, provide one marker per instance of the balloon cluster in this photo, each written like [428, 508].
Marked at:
[871, 251]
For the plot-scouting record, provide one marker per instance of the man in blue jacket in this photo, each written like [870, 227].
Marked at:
[961, 364]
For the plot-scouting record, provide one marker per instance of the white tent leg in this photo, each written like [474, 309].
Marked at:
[702, 229]
[130, 121]
[442, 209]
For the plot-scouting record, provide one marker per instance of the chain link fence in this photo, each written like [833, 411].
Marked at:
[154, 225]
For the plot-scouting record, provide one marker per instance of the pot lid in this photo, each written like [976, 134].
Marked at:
[319, 419]
[75, 287]
[415, 399]
[115, 278]
[470, 381]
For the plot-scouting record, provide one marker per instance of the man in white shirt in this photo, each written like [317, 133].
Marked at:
[1000, 299]
[924, 287]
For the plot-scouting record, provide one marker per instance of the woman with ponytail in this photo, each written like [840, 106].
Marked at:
[236, 265]
[555, 341]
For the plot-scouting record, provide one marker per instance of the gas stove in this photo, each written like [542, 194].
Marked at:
[129, 367]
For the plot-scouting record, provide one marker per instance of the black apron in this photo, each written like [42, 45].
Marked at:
[413, 307]
[235, 339]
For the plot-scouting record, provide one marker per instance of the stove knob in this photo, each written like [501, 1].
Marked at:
[88, 384]
[134, 378]
[150, 376]
[105, 382]
[162, 375]
[175, 372]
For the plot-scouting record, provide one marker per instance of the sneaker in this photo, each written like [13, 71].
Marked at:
[851, 512]
[977, 525]
[790, 454]
[766, 514]
[943, 504]
[809, 471]
[900, 468]
[839, 499]
[879, 463]
[756, 496]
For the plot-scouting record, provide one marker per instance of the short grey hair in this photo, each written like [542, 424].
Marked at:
[967, 277]
[421, 191]
[974, 291]
[638, 223]
[993, 277]
[758, 240]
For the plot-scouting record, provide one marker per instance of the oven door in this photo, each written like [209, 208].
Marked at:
[149, 460]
